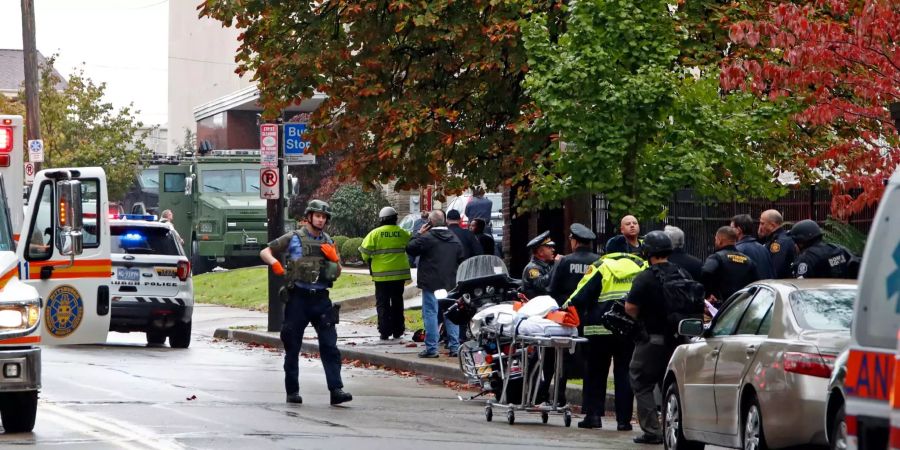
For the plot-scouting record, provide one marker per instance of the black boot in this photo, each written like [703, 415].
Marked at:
[338, 396]
[591, 421]
[294, 398]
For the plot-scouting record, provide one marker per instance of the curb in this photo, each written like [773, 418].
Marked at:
[440, 372]
[368, 301]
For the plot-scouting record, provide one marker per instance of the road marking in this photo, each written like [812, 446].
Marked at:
[121, 434]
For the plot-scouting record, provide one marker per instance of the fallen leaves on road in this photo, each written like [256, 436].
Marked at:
[192, 397]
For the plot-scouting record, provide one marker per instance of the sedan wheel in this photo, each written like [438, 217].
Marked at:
[673, 421]
[754, 438]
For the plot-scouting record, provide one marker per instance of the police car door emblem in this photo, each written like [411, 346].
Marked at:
[64, 311]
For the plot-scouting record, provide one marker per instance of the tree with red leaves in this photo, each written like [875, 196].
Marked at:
[840, 59]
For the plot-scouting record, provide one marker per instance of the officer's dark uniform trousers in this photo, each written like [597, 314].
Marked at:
[598, 353]
[310, 307]
[648, 368]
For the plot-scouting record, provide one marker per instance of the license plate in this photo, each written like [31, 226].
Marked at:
[128, 274]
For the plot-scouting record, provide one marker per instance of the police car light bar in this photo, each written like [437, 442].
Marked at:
[149, 217]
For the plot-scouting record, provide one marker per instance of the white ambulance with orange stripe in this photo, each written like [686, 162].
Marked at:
[54, 287]
[863, 410]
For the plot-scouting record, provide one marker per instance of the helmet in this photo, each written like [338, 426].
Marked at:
[318, 206]
[805, 231]
[386, 212]
[657, 243]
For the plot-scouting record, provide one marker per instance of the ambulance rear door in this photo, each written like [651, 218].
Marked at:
[73, 281]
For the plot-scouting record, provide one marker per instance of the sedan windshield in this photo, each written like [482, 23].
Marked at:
[823, 309]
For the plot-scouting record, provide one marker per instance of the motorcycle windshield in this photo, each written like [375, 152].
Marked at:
[482, 266]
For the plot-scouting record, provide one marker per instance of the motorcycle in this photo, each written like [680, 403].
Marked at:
[482, 284]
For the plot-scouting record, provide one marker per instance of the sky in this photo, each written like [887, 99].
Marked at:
[123, 43]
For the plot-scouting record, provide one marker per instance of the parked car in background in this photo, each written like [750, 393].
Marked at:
[758, 376]
[496, 198]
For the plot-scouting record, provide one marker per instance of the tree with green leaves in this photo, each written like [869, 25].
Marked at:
[637, 125]
[418, 92]
[79, 129]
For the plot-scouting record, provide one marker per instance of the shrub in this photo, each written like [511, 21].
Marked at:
[339, 242]
[354, 211]
[350, 250]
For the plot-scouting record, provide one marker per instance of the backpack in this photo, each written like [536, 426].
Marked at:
[684, 298]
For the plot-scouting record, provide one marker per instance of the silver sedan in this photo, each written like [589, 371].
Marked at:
[757, 377]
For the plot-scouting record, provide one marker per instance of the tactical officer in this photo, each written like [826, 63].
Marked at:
[819, 259]
[607, 281]
[536, 276]
[563, 280]
[645, 303]
[384, 250]
[312, 266]
[781, 247]
[727, 270]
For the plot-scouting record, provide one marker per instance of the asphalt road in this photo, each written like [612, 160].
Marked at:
[222, 395]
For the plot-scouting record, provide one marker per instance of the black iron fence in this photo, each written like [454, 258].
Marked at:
[700, 217]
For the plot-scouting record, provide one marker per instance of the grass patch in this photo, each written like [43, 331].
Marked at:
[610, 385]
[247, 288]
[413, 319]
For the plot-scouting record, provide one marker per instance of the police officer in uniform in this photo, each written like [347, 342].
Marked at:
[727, 270]
[311, 266]
[384, 250]
[565, 277]
[819, 259]
[607, 281]
[782, 249]
[536, 276]
[572, 267]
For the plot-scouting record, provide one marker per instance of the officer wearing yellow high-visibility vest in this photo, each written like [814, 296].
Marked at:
[607, 281]
[384, 250]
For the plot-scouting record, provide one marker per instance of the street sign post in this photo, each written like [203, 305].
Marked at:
[36, 151]
[29, 173]
[268, 144]
[269, 187]
[295, 146]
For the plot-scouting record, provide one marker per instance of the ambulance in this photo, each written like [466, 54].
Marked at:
[54, 270]
[868, 395]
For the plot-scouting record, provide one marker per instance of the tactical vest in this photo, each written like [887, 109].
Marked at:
[618, 271]
[311, 267]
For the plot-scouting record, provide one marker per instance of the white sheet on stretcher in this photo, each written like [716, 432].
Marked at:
[539, 326]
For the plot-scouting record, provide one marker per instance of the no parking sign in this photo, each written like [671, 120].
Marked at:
[29, 173]
[268, 184]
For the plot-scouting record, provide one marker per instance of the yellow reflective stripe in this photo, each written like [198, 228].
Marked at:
[383, 251]
[593, 330]
[390, 273]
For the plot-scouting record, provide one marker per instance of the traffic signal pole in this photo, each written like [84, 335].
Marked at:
[275, 227]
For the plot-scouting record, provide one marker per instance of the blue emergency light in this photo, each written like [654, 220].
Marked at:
[149, 217]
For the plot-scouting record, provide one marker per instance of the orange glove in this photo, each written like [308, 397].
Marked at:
[330, 252]
[278, 268]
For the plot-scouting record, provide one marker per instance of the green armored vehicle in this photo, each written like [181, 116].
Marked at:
[217, 207]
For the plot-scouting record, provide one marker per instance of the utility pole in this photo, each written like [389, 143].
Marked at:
[32, 101]
[275, 228]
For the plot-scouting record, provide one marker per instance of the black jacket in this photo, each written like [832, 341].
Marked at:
[471, 246]
[823, 260]
[783, 251]
[726, 272]
[487, 243]
[749, 246]
[440, 253]
[569, 271]
[687, 262]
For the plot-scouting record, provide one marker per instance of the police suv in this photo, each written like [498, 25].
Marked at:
[151, 287]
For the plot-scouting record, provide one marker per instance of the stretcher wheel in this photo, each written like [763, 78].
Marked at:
[567, 419]
[488, 413]
[545, 417]
[511, 417]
